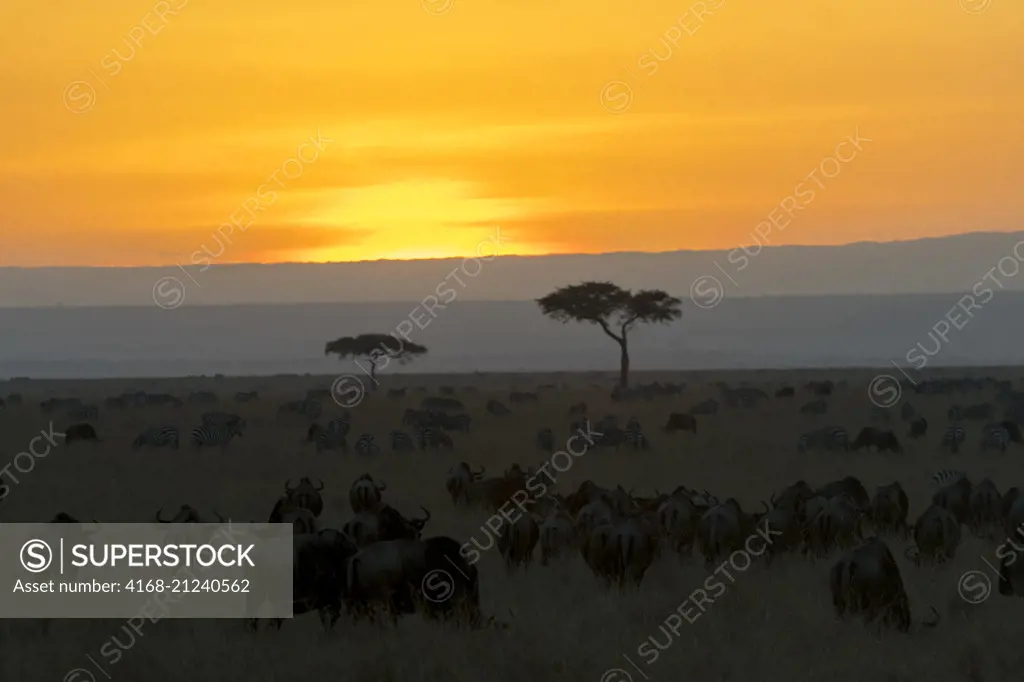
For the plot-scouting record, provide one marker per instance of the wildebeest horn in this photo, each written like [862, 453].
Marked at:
[772, 498]
[766, 507]
[381, 485]
[427, 512]
[158, 513]
[319, 480]
[288, 486]
[482, 470]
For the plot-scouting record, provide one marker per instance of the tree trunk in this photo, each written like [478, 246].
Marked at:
[623, 364]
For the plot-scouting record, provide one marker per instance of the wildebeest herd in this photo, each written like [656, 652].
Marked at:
[876, 513]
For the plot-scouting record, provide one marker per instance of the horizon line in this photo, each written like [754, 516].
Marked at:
[863, 242]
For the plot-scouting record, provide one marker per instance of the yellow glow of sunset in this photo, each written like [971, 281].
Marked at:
[133, 129]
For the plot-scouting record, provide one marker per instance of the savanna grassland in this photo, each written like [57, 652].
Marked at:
[771, 623]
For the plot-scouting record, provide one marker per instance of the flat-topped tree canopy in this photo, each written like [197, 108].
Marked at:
[376, 349]
[614, 309]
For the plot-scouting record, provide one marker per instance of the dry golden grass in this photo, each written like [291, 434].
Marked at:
[772, 623]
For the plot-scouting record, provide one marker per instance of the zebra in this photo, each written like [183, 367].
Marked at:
[819, 406]
[157, 437]
[828, 438]
[366, 445]
[326, 439]
[997, 437]
[497, 408]
[944, 477]
[431, 436]
[209, 435]
[401, 441]
[959, 413]
[546, 439]
[307, 406]
[953, 437]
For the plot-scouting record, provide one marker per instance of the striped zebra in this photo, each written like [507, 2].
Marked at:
[953, 437]
[995, 437]
[326, 439]
[157, 437]
[546, 439]
[829, 438]
[366, 444]
[944, 477]
[402, 441]
[433, 437]
[209, 435]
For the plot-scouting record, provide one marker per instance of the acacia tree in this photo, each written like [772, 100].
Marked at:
[611, 307]
[376, 349]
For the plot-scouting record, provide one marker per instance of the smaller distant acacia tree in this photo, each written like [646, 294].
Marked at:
[609, 306]
[377, 349]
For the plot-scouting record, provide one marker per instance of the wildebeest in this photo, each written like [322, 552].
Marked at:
[83, 431]
[517, 540]
[918, 428]
[556, 536]
[881, 440]
[188, 514]
[318, 575]
[866, 582]
[678, 421]
[936, 536]
[384, 523]
[984, 513]
[459, 478]
[365, 494]
[956, 497]
[405, 576]
[839, 524]
[305, 495]
[889, 508]
[849, 486]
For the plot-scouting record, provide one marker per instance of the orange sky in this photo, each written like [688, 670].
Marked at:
[446, 124]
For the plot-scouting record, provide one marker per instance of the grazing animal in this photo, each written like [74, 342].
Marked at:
[889, 508]
[995, 437]
[882, 441]
[832, 438]
[83, 432]
[158, 437]
[459, 479]
[918, 428]
[211, 435]
[866, 582]
[678, 421]
[366, 445]
[365, 494]
[402, 441]
[953, 437]
[936, 536]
